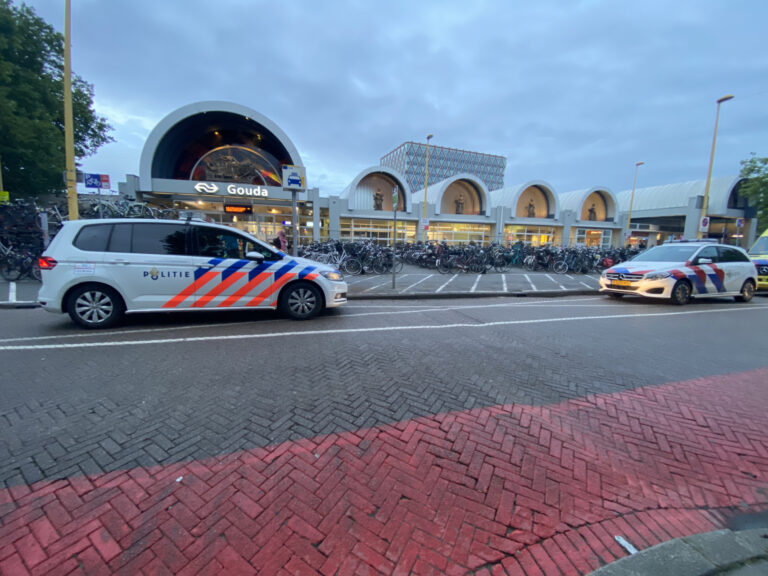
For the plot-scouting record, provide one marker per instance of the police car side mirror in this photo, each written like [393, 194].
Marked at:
[703, 260]
[258, 256]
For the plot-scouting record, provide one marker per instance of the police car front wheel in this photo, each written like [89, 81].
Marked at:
[681, 293]
[301, 301]
[95, 306]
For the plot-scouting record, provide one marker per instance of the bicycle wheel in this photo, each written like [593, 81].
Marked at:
[560, 267]
[380, 266]
[11, 272]
[530, 263]
[34, 271]
[352, 266]
[444, 265]
[500, 264]
[398, 265]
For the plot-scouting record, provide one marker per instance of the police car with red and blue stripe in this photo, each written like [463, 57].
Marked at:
[681, 270]
[98, 270]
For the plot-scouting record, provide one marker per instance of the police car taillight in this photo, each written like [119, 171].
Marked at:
[46, 263]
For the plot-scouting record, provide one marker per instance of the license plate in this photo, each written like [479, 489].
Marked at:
[621, 283]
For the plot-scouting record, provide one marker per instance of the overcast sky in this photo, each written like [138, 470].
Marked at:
[572, 93]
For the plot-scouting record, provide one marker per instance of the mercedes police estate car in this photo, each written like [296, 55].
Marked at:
[682, 270]
[759, 255]
[97, 270]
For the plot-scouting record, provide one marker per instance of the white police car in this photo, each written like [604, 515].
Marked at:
[682, 270]
[97, 270]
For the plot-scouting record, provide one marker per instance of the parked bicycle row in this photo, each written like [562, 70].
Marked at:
[365, 256]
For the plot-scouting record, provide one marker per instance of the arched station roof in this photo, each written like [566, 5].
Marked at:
[671, 196]
[509, 196]
[575, 200]
[436, 191]
[359, 198]
[190, 132]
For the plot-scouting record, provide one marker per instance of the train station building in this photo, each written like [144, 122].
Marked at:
[224, 160]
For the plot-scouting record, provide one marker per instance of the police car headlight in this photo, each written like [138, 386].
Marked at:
[657, 276]
[334, 275]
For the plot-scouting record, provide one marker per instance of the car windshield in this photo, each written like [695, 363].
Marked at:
[760, 247]
[667, 253]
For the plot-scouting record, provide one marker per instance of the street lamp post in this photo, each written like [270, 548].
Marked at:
[632, 200]
[69, 137]
[426, 181]
[705, 204]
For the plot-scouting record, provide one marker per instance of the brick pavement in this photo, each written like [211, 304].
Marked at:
[506, 489]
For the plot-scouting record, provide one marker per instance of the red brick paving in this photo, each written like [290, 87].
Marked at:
[503, 490]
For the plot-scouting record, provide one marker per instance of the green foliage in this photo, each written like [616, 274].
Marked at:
[755, 170]
[32, 105]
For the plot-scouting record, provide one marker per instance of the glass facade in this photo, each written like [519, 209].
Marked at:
[260, 220]
[380, 231]
[533, 235]
[587, 237]
[460, 233]
[409, 159]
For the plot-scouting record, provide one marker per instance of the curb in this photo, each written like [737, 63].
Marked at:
[447, 295]
[409, 296]
[715, 553]
[21, 304]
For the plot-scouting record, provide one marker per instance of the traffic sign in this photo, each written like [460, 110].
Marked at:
[704, 224]
[739, 222]
[294, 177]
[97, 181]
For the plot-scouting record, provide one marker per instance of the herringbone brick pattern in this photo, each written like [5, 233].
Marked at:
[509, 489]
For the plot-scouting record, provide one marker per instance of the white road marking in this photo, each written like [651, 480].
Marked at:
[555, 281]
[504, 282]
[416, 283]
[296, 334]
[533, 287]
[451, 279]
[474, 286]
[12, 292]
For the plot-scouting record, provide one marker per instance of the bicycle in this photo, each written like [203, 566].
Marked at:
[21, 263]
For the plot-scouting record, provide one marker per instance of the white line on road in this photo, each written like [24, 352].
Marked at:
[416, 283]
[12, 292]
[477, 281]
[451, 279]
[533, 286]
[587, 285]
[295, 334]
[504, 282]
[555, 281]
[378, 285]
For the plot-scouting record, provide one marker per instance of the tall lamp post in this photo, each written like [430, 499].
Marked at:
[632, 201]
[69, 138]
[426, 181]
[705, 204]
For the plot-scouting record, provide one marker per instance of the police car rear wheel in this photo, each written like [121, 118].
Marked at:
[301, 301]
[94, 306]
[747, 292]
[681, 293]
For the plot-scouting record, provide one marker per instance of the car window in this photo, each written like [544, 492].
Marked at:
[760, 247]
[120, 240]
[666, 253]
[709, 252]
[731, 255]
[217, 243]
[159, 239]
[93, 238]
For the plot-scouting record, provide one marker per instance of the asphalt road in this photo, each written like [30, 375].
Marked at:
[167, 390]
[238, 381]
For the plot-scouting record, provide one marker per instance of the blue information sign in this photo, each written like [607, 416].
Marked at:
[93, 180]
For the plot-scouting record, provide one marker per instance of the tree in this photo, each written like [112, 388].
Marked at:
[32, 105]
[755, 170]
